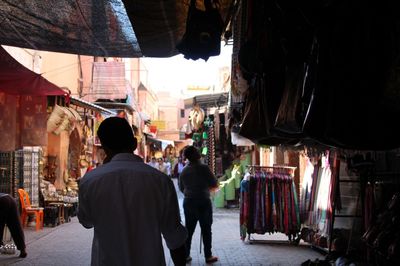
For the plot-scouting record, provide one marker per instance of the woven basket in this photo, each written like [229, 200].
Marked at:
[55, 119]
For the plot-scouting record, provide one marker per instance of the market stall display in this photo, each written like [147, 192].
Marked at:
[269, 202]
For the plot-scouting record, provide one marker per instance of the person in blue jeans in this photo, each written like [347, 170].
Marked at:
[196, 181]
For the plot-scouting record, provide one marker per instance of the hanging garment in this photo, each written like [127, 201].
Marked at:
[320, 209]
[202, 38]
[268, 204]
[305, 194]
[244, 207]
[324, 201]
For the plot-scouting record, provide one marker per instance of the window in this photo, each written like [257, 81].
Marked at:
[182, 113]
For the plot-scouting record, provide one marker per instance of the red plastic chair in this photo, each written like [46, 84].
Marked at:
[27, 209]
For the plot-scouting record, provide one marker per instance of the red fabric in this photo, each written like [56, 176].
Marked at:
[33, 120]
[8, 122]
[18, 80]
[153, 129]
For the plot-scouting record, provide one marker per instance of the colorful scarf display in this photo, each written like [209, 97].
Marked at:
[268, 204]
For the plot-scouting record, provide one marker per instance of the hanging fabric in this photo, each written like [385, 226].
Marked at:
[202, 38]
[317, 200]
[306, 192]
[268, 203]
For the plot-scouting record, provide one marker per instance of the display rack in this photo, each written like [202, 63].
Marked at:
[8, 180]
[278, 169]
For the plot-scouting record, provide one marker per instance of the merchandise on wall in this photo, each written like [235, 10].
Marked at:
[31, 170]
[72, 126]
[318, 195]
[9, 178]
[349, 206]
[379, 182]
[228, 194]
[208, 149]
[382, 236]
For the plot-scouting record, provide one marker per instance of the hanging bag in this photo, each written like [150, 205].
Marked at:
[202, 38]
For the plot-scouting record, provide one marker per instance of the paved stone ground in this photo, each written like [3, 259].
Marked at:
[70, 244]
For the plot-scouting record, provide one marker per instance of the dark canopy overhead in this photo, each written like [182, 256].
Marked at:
[90, 27]
[96, 27]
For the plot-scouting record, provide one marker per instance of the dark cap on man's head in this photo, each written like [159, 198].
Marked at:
[116, 134]
[191, 153]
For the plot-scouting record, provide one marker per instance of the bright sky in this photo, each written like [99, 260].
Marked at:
[174, 74]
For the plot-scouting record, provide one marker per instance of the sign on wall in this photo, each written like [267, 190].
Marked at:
[160, 124]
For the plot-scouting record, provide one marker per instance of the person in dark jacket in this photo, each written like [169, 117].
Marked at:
[196, 181]
[9, 216]
[178, 168]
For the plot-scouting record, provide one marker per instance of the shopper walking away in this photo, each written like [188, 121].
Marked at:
[195, 182]
[129, 204]
[9, 216]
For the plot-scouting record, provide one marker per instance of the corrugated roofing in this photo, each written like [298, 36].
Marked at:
[89, 105]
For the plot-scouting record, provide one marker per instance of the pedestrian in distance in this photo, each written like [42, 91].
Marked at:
[153, 163]
[9, 216]
[162, 166]
[179, 167]
[167, 166]
[196, 181]
[129, 204]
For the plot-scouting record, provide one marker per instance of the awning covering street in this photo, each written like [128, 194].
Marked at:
[18, 80]
[150, 28]
[99, 28]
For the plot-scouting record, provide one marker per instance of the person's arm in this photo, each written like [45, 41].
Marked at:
[212, 181]
[178, 255]
[84, 216]
[176, 170]
[173, 231]
[180, 182]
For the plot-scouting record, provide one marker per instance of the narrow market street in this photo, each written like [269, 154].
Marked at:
[70, 244]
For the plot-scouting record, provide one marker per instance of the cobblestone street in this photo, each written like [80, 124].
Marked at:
[70, 244]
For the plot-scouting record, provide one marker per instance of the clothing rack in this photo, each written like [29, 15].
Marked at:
[279, 169]
[276, 169]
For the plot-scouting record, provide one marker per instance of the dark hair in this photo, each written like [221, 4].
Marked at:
[191, 153]
[116, 134]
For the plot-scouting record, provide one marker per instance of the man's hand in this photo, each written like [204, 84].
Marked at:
[178, 256]
[214, 188]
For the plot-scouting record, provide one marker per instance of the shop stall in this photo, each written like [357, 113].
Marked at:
[23, 116]
[72, 150]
